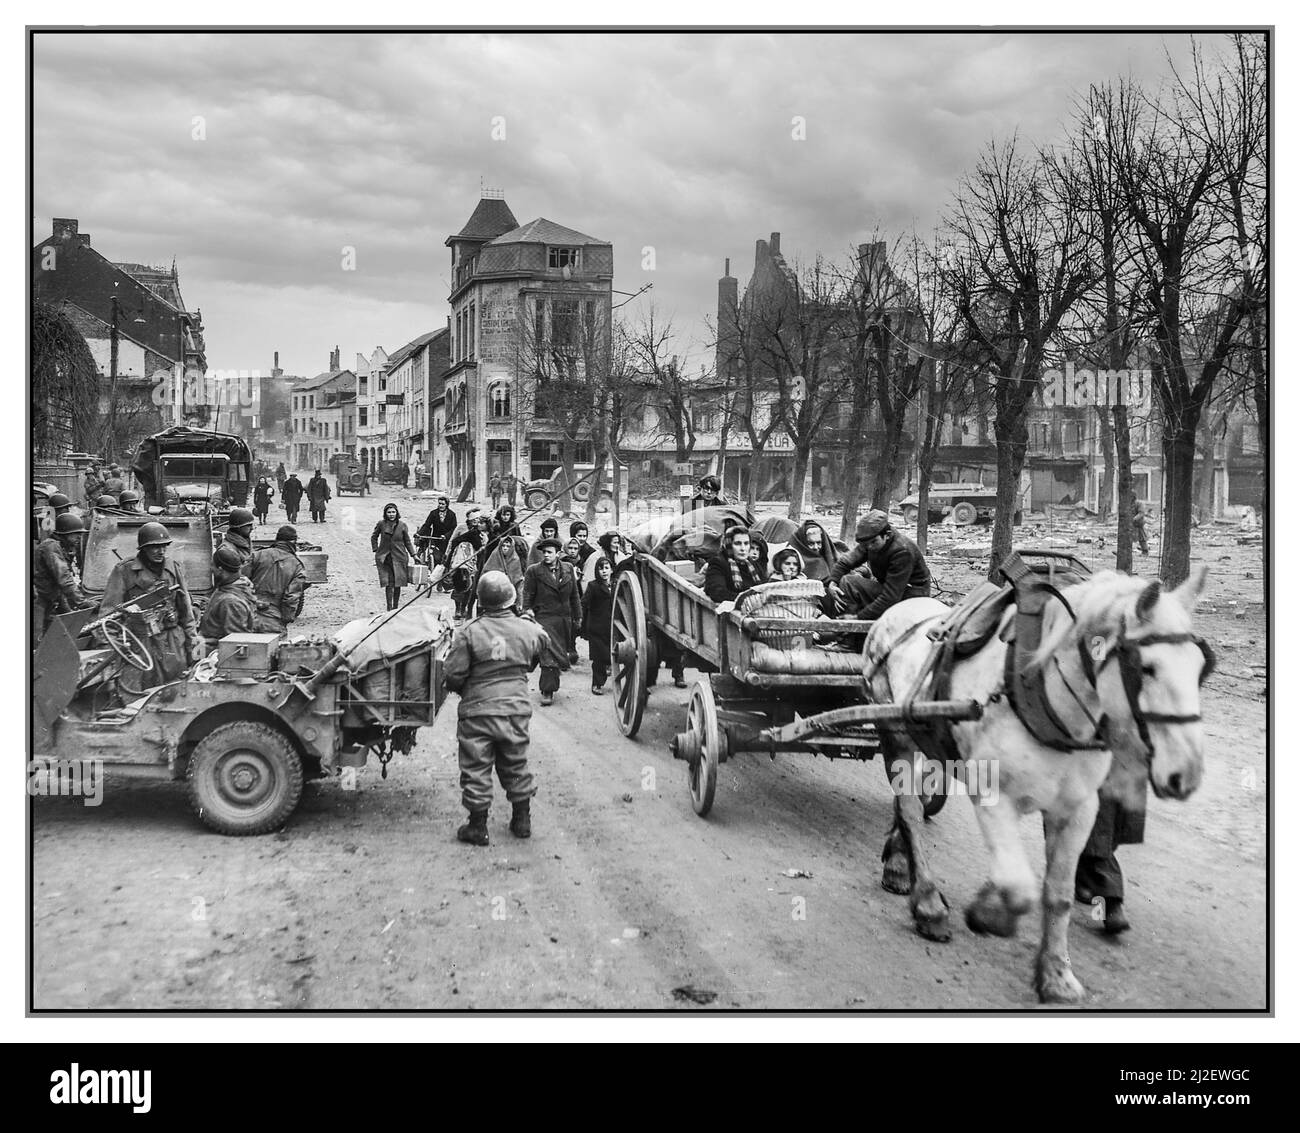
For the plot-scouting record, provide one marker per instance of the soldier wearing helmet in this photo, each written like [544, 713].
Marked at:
[232, 607]
[106, 502]
[490, 659]
[113, 485]
[56, 583]
[59, 503]
[239, 534]
[279, 582]
[177, 645]
[130, 501]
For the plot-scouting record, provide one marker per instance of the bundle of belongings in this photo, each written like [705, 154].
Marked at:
[391, 653]
[697, 535]
[774, 651]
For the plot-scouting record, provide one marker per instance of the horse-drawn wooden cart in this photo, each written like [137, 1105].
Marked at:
[766, 684]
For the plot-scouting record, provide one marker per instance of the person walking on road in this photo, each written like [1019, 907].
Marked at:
[488, 665]
[551, 596]
[512, 488]
[318, 495]
[465, 567]
[436, 531]
[494, 490]
[291, 497]
[280, 477]
[1140, 525]
[232, 607]
[279, 582]
[262, 495]
[597, 606]
[391, 543]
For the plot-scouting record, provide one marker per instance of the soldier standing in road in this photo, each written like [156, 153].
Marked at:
[114, 485]
[279, 582]
[291, 497]
[494, 490]
[512, 487]
[551, 596]
[56, 584]
[318, 495]
[280, 478]
[1140, 525]
[490, 659]
[239, 534]
[177, 645]
[232, 607]
[94, 485]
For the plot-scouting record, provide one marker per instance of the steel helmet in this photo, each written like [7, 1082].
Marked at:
[240, 517]
[58, 500]
[153, 535]
[287, 534]
[129, 497]
[226, 557]
[68, 524]
[106, 501]
[495, 590]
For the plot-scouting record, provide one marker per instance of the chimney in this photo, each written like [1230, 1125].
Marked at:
[334, 359]
[277, 360]
[775, 243]
[65, 227]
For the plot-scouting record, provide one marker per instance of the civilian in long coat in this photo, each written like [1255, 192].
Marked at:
[391, 543]
[551, 596]
[262, 495]
[436, 531]
[597, 607]
[318, 495]
[291, 497]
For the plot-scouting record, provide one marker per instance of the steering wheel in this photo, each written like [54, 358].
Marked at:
[128, 646]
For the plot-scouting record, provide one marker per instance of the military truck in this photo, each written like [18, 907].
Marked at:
[187, 470]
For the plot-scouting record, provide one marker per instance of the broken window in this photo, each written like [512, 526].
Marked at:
[564, 258]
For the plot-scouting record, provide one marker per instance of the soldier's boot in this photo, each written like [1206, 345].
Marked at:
[475, 831]
[521, 823]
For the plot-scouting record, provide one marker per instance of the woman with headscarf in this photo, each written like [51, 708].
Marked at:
[597, 604]
[262, 499]
[758, 555]
[508, 550]
[612, 548]
[391, 543]
[814, 545]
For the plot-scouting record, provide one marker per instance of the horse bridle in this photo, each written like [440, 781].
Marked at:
[1128, 651]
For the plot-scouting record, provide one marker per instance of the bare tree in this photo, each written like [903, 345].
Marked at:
[1019, 265]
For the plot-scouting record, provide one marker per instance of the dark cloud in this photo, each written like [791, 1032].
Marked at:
[318, 142]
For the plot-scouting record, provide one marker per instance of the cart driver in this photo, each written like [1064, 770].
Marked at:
[490, 659]
[882, 568]
[177, 645]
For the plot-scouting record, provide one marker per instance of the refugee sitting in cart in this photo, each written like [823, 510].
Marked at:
[882, 569]
[728, 574]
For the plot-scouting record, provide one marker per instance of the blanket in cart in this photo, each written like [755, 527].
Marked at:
[394, 634]
[696, 534]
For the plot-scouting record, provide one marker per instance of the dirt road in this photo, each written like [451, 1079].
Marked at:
[623, 898]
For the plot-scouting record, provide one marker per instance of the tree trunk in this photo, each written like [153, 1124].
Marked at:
[1180, 466]
[888, 461]
[597, 478]
[1107, 490]
[751, 485]
[923, 509]
[1205, 487]
[798, 473]
[1259, 372]
[1123, 491]
[1013, 443]
[854, 459]
[565, 498]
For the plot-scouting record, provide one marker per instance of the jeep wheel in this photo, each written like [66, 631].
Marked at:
[964, 513]
[536, 498]
[245, 778]
[910, 513]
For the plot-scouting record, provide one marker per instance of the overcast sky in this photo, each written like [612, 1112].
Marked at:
[380, 142]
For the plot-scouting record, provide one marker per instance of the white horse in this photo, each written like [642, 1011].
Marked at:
[1124, 668]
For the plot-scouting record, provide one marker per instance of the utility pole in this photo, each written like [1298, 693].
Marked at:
[112, 380]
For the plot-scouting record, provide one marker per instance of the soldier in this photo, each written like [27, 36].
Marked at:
[494, 490]
[512, 487]
[177, 645]
[490, 659]
[106, 502]
[94, 485]
[551, 596]
[114, 485]
[56, 584]
[279, 582]
[58, 504]
[130, 501]
[239, 534]
[291, 497]
[232, 607]
[318, 495]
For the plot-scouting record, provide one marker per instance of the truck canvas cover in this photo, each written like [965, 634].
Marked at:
[183, 439]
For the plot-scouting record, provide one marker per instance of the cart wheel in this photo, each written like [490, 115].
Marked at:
[964, 513]
[245, 778]
[628, 641]
[910, 514]
[702, 727]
